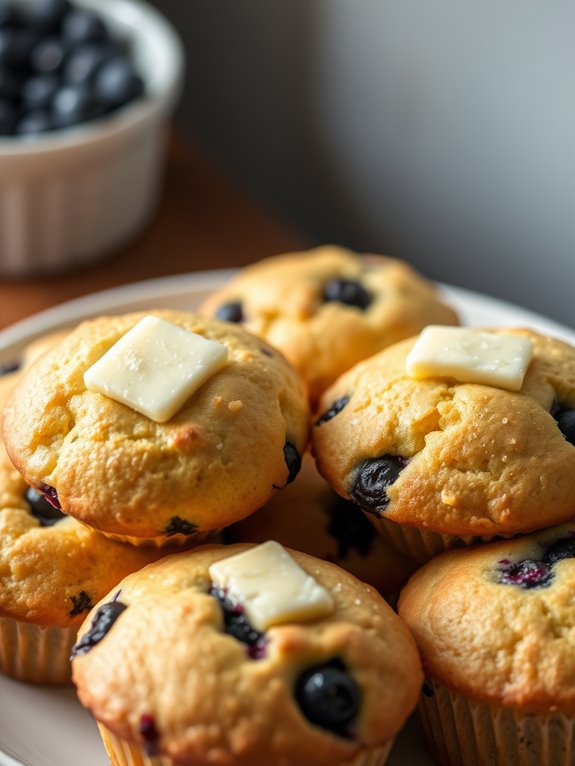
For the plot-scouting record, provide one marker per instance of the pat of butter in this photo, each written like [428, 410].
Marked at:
[155, 367]
[470, 356]
[272, 588]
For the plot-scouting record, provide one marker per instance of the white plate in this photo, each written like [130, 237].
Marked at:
[40, 726]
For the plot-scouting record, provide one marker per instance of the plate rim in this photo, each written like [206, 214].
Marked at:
[119, 298]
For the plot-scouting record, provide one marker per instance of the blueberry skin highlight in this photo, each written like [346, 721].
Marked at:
[328, 697]
[332, 411]
[230, 312]
[102, 623]
[372, 478]
[527, 574]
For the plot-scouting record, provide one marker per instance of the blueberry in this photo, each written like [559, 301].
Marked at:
[82, 26]
[346, 291]
[349, 527]
[334, 410]
[560, 549]
[42, 509]
[526, 574]
[38, 91]
[230, 312]
[9, 16]
[83, 62]
[293, 461]
[236, 624]
[16, 46]
[427, 689]
[48, 55]
[47, 14]
[33, 123]
[10, 82]
[51, 495]
[73, 104]
[179, 526]
[7, 117]
[117, 82]
[149, 733]
[10, 366]
[101, 624]
[81, 603]
[566, 422]
[372, 478]
[328, 697]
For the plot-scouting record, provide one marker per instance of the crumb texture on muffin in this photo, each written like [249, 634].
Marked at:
[496, 623]
[232, 444]
[454, 458]
[183, 656]
[328, 308]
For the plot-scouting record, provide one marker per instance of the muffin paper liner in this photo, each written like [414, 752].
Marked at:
[123, 753]
[463, 732]
[420, 545]
[36, 654]
[173, 541]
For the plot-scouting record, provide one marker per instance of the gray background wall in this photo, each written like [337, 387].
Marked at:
[439, 131]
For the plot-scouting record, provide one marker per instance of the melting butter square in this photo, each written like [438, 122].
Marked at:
[155, 367]
[470, 356]
[272, 588]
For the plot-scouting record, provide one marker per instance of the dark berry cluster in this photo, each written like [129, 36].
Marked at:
[531, 573]
[236, 624]
[371, 480]
[101, 624]
[59, 66]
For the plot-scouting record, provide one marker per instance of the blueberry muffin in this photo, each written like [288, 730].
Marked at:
[496, 629]
[246, 656]
[310, 517]
[437, 462]
[328, 308]
[52, 570]
[160, 476]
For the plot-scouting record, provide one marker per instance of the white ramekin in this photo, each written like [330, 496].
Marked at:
[72, 196]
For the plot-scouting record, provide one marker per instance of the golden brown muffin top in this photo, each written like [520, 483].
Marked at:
[233, 443]
[167, 665]
[497, 622]
[326, 309]
[454, 458]
[52, 570]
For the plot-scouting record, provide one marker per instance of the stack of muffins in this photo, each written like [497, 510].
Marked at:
[236, 650]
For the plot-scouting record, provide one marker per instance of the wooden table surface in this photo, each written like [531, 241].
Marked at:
[204, 222]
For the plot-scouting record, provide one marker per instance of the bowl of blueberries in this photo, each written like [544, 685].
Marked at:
[87, 88]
